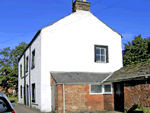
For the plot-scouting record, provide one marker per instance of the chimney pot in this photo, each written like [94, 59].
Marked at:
[84, 0]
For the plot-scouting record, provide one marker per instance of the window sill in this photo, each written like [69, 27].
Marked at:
[108, 93]
[34, 104]
[101, 93]
[101, 62]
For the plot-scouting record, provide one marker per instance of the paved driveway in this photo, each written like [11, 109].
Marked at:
[25, 109]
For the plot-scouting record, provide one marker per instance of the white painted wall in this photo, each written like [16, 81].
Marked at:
[20, 82]
[70, 47]
[35, 73]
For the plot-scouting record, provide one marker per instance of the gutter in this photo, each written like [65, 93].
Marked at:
[98, 83]
[63, 98]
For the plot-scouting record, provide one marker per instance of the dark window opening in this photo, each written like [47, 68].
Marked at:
[21, 91]
[26, 64]
[20, 70]
[33, 92]
[33, 59]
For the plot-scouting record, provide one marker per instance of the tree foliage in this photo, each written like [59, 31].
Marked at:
[136, 51]
[9, 65]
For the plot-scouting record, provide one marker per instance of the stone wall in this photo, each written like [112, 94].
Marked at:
[136, 92]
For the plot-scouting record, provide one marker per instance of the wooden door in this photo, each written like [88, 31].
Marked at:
[119, 96]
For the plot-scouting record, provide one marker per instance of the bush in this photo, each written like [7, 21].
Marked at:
[142, 108]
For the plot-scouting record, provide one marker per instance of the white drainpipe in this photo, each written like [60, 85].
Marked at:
[63, 98]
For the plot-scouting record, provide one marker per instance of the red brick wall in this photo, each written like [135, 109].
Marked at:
[133, 94]
[78, 98]
[75, 98]
[94, 102]
[108, 102]
[60, 98]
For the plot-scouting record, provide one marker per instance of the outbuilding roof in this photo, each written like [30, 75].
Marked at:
[79, 77]
[131, 71]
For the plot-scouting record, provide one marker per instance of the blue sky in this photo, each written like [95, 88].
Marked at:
[22, 19]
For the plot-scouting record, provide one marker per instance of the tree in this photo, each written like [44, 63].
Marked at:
[9, 65]
[136, 51]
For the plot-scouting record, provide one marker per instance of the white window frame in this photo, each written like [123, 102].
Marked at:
[103, 91]
[95, 93]
[101, 54]
[110, 88]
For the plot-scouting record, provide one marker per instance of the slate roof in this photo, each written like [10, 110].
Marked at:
[78, 77]
[130, 72]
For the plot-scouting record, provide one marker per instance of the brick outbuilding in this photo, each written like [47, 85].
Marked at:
[131, 86]
[74, 91]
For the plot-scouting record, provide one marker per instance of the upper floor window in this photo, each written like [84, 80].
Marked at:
[33, 59]
[20, 70]
[101, 53]
[27, 64]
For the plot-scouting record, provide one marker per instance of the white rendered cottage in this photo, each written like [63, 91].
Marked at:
[79, 42]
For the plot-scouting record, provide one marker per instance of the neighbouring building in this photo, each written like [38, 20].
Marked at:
[131, 86]
[65, 65]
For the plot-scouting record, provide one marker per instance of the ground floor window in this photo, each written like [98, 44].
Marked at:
[21, 91]
[33, 92]
[101, 89]
[107, 88]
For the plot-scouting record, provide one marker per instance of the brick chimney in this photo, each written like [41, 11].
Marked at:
[80, 5]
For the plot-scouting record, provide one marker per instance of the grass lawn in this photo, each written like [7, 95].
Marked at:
[13, 98]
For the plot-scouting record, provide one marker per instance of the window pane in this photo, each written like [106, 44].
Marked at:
[102, 51]
[97, 58]
[107, 88]
[102, 58]
[93, 89]
[96, 88]
[99, 88]
[97, 50]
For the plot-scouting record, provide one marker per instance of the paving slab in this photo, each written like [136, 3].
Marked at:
[20, 108]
